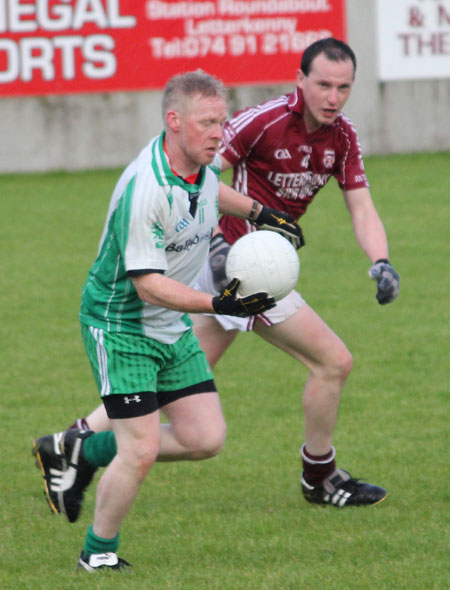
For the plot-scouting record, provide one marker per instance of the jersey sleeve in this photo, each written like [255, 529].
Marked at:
[140, 225]
[239, 135]
[350, 172]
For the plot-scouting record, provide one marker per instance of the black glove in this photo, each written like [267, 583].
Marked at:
[226, 302]
[283, 223]
[387, 279]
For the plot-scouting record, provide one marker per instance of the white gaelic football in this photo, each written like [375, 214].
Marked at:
[264, 261]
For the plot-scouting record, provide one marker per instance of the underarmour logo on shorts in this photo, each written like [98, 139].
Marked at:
[136, 398]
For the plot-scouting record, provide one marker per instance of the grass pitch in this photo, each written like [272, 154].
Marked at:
[238, 522]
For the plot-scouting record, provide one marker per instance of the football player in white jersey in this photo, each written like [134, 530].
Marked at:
[135, 323]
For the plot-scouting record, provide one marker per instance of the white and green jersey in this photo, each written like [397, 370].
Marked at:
[149, 226]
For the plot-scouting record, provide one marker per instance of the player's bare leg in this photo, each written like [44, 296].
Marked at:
[137, 448]
[306, 337]
[214, 340]
[98, 420]
[196, 428]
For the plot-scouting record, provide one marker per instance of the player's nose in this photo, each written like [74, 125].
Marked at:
[217, 131]
[332, 96]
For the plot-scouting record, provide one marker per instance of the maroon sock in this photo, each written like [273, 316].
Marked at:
[80, 423]
[316, 468]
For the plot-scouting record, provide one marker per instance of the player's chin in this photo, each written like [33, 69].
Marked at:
[329, 118]
[209, 156]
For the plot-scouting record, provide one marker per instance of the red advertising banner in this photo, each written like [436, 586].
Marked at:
[68, 46]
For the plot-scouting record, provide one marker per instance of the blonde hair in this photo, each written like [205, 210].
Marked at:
[182, 87]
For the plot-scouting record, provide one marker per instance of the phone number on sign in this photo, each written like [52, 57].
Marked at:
[235, 45]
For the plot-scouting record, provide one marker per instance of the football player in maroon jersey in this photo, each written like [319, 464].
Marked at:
[282, 153]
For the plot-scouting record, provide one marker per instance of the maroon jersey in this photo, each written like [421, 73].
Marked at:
[277, 162]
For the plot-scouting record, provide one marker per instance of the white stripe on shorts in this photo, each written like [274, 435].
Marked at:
[102, 359]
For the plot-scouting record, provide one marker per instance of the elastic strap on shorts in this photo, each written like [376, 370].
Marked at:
[119, 406]
[167, 397]
[130, 405]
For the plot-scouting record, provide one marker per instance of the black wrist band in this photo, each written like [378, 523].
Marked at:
[252, 215]
[385, 260]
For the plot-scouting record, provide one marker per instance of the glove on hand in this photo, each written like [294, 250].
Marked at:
[226, 302]
[387, 279]
[282, 223]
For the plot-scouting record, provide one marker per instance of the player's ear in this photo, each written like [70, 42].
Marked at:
[300, 77]
[173, 120]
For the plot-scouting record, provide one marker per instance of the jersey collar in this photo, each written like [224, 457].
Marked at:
[163, 172]
[296, 101]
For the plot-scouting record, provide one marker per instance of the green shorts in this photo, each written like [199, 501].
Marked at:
[130, 364]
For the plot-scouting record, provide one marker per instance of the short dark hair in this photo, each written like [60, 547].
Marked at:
[183, 86]
[334, 49]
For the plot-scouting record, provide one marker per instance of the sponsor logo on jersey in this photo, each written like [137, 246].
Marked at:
[329, 158]
[191, 242]
[297, 185]
[282, 154]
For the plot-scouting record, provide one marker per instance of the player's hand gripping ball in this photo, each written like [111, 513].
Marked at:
[283, 223]
[264, 261]
[228, 303]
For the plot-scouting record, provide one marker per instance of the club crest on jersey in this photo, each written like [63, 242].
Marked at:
[329, 158]
[158, 235]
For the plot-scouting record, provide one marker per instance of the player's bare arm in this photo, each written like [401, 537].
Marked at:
[231, 202]
[157, 289]
[164, 291]
[225, 163]
[371, 236]
[367, 225]
[234, 203]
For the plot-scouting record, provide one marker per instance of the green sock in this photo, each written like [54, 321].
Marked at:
[94, 544]
[100, 448]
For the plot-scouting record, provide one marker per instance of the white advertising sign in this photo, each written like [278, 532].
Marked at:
[413, 39]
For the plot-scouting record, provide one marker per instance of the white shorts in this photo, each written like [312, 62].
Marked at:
[284, 309]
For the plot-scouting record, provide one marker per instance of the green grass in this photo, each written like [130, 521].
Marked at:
[238, 521]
